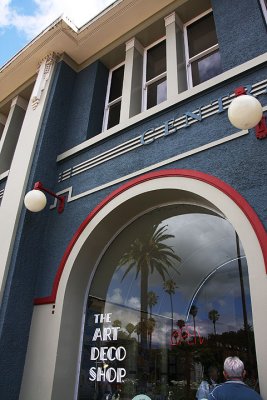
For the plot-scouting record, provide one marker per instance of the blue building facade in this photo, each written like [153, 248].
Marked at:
[178, 157]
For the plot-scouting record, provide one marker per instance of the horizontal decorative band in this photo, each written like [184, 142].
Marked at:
[70, 197]
[174, 125]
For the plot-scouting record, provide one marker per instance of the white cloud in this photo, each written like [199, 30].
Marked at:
[134, 302]
[4, 13]
[32, 22]
[116, 296]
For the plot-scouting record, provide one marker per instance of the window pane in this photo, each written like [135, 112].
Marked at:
[169, 299]
[206, 68]
[116, 83]
[201, 35]
[156, 60]
[156, 92]
[114, 114]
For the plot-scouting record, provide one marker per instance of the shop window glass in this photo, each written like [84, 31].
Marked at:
[203, 54]
[155, 85]
[113, 102]
[170, 298]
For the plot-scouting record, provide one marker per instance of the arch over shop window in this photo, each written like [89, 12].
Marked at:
[102, 225]
[196, 176]
[169, 299]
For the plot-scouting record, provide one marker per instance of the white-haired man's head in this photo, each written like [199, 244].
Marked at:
[233, 368]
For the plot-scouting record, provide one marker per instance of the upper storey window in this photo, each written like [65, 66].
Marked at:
[264, 8]
[202, 50]
[114, 95]
[155, 74]
[161, 61]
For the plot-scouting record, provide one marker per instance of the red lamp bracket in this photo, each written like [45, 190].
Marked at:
[61, 199]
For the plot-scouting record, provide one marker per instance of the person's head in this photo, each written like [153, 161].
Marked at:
[233, 368]
[213, 373]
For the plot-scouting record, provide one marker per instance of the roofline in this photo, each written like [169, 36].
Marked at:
[79, 44]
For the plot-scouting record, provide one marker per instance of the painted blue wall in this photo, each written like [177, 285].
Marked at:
[240, 163]
[69, 117]
[83, 115]
[74, 113]
[241, 30]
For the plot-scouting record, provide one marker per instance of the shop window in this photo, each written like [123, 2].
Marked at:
[170, 298]
[155, 74]
[202, 50]
[113, 99]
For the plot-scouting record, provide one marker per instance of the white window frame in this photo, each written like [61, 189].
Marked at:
[156, 78]
[107, 103]
[199, 55]
[264, 9]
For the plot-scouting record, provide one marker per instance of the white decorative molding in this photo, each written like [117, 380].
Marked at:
[1, 193]
[173, 18]
[134, 43]
[155, 133]
[19, 101]
[186, 95]
[4, 175]
[68, 191]
[42, 78]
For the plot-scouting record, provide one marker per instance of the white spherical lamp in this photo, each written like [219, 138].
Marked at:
[35, 200]
[245, 112]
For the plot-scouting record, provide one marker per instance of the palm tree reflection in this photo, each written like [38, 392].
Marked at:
[214, 316]
[147, 254]
[169, 287]
[193, 311]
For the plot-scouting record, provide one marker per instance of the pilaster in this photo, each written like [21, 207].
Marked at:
[176, 70]
[2, 123]
[11, 132]
[132, 83]
[20, 167]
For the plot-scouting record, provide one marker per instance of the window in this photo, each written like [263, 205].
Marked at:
[174, 301]
[153, 65]
[113, 100]
[155, 74]
[202, 50]
[264, 8]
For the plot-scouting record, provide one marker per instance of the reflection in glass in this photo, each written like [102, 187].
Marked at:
[114, 114]
[146, 254]
[172, 294]
[156, 92]
[206, 68]
[116, 83]
[156, 60]
[201, 35]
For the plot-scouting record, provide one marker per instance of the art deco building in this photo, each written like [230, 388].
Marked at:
[155, 270]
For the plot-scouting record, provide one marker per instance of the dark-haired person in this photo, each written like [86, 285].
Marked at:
[208, 384]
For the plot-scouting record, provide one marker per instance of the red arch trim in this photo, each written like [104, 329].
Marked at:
[200, 176]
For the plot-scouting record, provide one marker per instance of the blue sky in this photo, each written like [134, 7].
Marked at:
[22, 20]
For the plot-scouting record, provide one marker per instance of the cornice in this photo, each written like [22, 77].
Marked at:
[79, 45]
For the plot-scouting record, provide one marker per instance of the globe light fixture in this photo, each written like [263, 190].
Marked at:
[35, 200]
[245, 112]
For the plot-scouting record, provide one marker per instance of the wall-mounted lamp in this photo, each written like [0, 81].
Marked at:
[245, 112]
[35, 200]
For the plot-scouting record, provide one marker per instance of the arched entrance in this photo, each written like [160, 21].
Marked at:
[169, 301]
[62, 342]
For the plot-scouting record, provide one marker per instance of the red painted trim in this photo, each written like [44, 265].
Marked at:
[200, 176]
